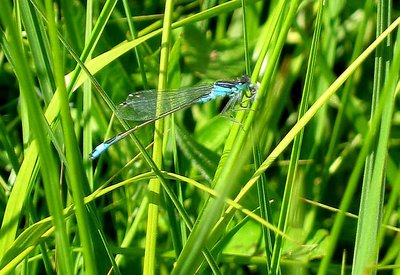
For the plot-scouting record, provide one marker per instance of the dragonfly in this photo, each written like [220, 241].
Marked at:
[151, 105]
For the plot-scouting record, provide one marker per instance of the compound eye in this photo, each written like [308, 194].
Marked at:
[244, 79]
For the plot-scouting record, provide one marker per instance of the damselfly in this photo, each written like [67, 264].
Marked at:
[151, 105]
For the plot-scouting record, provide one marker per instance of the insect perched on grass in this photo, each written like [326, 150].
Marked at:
[151, 105]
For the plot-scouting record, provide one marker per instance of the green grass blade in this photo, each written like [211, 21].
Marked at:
[353, 181]
[372, 196]
[154, 185]
[289, 203]
[50, 172]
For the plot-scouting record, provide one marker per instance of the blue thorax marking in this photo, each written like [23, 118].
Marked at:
[223, 88]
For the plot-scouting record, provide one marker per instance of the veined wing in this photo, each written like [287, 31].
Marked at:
[142, 106]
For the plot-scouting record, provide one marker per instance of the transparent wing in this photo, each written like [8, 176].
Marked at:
[142, 106]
